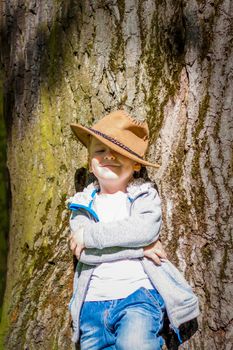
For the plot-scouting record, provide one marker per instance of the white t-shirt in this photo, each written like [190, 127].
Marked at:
[118, 279]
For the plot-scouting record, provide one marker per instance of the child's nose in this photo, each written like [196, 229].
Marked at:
[109, 155]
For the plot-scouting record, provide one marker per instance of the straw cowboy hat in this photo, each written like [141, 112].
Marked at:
[121, 133]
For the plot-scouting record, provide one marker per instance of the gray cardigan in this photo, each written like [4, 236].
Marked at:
[125, 239]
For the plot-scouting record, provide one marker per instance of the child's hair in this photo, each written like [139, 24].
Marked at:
[89, 144]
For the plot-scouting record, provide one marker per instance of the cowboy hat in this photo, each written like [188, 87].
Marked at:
[121, 133]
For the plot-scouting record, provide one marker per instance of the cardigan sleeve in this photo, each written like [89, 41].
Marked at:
[138, 230]
[94, 256]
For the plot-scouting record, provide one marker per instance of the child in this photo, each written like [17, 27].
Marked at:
[120, 294]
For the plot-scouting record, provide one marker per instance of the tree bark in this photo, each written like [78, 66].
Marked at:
[170, 62]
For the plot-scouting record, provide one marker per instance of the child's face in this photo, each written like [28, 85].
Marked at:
[108, 165]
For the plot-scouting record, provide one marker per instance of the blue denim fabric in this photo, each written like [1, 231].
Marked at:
[134, 322]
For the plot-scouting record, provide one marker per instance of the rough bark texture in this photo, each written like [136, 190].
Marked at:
[4, 217]
[72, 61]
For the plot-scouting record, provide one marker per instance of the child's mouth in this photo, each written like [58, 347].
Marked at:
[109, 165]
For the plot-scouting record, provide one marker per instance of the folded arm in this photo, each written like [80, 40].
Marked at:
[98, 256]
[138, 230]
[94, 256]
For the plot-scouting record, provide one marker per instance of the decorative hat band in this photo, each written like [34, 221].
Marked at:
[111, 139]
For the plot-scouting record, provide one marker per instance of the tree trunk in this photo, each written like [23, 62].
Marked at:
[73, 61]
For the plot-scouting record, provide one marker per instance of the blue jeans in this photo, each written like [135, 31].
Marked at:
[132, 323]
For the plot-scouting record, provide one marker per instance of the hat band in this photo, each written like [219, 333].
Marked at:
[111, 139]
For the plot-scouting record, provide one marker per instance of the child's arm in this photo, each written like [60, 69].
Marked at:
[138, 230]
[95, 256]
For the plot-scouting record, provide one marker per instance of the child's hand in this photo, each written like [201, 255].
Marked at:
[155, 252]
[77, 242]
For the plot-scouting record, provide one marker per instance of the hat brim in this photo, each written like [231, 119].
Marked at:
[83, 135]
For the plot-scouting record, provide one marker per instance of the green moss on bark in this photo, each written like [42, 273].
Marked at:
[116, 57]
[225, 260]
[207, 254]
[163, 67]
[4, 217]
[198, 191]
[121, 7]
[181, 211]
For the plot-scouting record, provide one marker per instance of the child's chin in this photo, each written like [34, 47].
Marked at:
[107, 173]
[110, 176]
